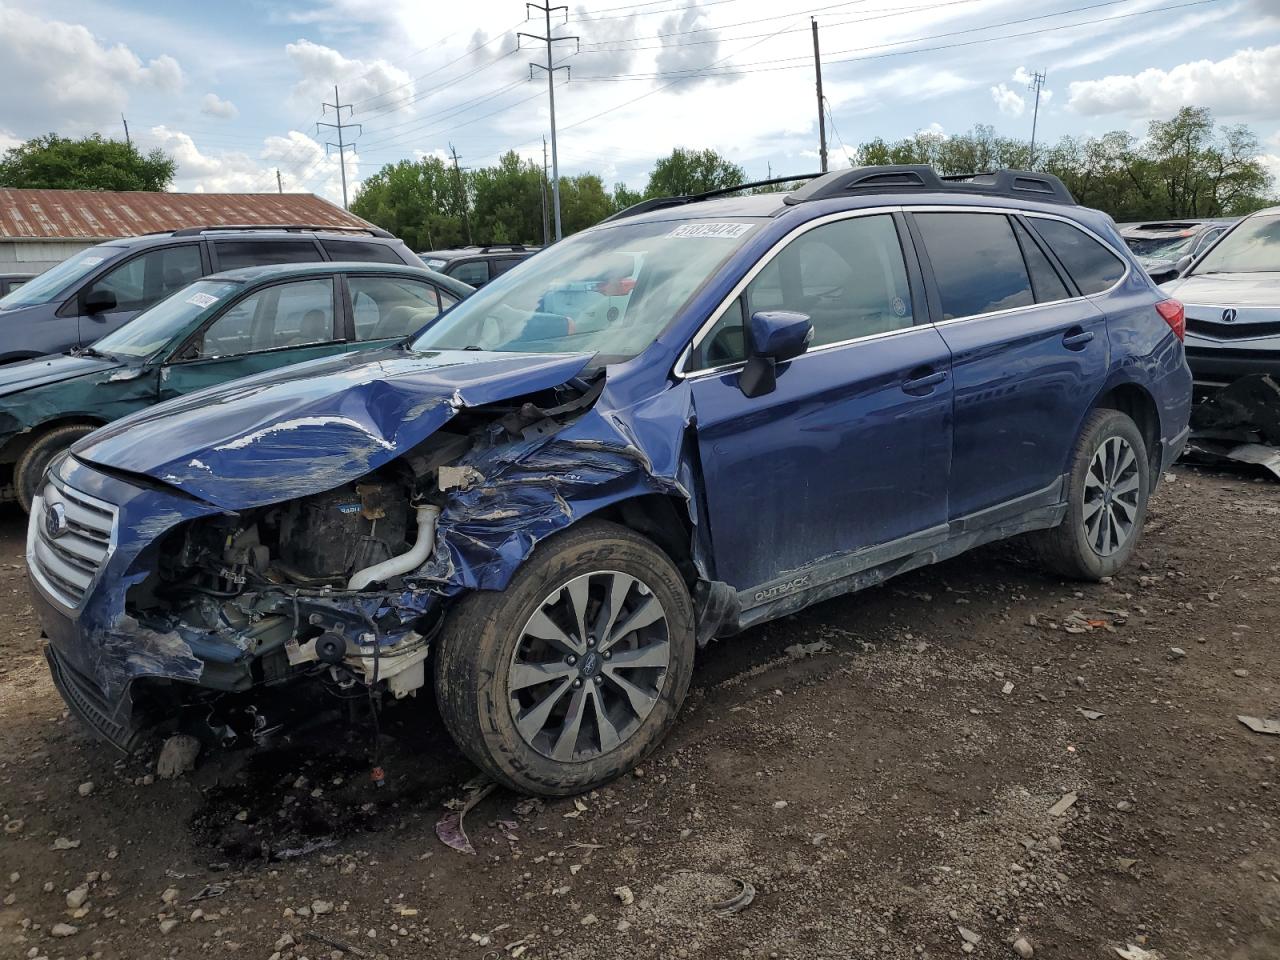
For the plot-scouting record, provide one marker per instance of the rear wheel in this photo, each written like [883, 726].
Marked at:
[1108, 485]
[28, 472]
[571, 675]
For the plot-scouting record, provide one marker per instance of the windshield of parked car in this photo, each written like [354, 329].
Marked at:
[1159, 248]
[1252, 247]
[609, 291]
[152, 330]
[53, 281]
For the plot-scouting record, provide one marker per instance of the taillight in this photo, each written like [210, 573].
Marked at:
[1174, 315]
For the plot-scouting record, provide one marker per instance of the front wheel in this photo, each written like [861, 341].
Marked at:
[28, 472]
[571, 675]
[1107, 489]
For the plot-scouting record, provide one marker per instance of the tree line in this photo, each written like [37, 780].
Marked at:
[1186, 166]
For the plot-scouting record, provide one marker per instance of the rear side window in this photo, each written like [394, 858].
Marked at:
[976, 262]
[475, 273]
[254, 253]
[386, 307]
[364, 251]
[1093, 267]
[500, 267]
[1046, 283]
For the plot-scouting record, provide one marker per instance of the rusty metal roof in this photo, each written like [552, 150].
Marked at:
[98, 215]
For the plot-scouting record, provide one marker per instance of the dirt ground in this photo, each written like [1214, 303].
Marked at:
[878, 791]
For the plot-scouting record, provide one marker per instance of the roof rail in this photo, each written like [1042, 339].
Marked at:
[658, 203]
[503, 246]
[921, 178]
[287, 227]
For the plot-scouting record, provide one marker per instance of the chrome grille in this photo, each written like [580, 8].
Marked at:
[69, 538]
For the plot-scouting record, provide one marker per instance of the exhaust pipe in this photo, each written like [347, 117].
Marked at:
[415, 556]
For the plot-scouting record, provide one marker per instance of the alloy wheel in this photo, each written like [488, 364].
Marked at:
[589, 666]
[1111, 496]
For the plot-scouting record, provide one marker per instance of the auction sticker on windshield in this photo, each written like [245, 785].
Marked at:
[719, 231]
[201, 299]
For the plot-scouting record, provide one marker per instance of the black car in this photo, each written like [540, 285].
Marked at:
[477, 265]
[95, 291]
[12, 281]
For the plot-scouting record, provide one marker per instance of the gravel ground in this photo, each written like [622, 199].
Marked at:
[972, 746]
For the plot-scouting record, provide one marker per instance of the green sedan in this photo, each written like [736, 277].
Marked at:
[223, 327]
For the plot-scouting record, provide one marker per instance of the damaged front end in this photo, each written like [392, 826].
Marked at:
[166, 609]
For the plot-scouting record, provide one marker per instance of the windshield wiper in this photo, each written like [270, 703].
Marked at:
[89, 352]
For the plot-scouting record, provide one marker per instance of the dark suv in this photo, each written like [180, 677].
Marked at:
[95, 291]
[476, 266]
[542, 518]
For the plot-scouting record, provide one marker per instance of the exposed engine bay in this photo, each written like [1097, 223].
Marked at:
[337, 586]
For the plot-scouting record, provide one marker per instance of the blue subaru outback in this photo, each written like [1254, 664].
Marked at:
[791, 397]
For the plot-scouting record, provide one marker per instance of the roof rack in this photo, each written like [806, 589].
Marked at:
[659, 203]
[517, 247]
[286, 227]
[918, 177]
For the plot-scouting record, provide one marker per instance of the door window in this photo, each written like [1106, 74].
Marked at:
[366, 251]
[476, 272]
[500, 267]
[1046, 283]
[233, 254]
[386, 307]
[848, 277]
[285, 315]
[976, 263]
[1093, 267]
[149, 278]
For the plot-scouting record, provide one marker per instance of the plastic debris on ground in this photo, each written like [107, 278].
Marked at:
[450, 828]
[1240, 423]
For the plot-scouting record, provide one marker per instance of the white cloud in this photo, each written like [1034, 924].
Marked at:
[1008, 101]
[1247, 83]
[8, 141]
[59, 75]
[358, 81]
[215, 106]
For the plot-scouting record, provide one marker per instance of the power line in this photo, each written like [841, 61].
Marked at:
[550, 68]
[338, 106]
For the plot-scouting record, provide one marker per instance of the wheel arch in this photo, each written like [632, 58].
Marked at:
[1137, 403]
[16, 446]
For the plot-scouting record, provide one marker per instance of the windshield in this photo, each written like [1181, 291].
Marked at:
[1160, 248]
[53, 281]
[151, 330]
[608, 292]
[1252, 247]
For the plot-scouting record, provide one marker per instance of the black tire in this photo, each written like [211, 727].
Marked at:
[1071, 549]
[484, 633]
[28, 472]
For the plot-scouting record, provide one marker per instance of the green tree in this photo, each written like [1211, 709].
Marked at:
[507, 201]
[624, 196]
[583, 202]
[692, 171]
[52, 162]
[417, 200]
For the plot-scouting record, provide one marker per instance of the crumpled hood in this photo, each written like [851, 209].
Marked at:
[15, 377]
[313, 426]
[1222, 290]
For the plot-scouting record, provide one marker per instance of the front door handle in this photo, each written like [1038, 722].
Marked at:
[1076, 338]
[925, 382]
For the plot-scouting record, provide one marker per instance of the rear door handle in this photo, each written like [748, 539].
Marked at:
[1075, 338]
[924, 383]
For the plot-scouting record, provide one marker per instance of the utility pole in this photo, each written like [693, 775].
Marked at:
[338, 106]
[1037, 82]
[126, 131]
[279, 182]
[542, 186]
[462, 191]
[822, 120]
[551, 69]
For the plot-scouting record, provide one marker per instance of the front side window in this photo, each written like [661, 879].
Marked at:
[977, 264]
[55, 280]
[607, 291]
[475, 273]
[1253, 246]
[285, 315]
[146, 279]
[1093, 267]
[386, 307]
[233, 254]
[154, 329]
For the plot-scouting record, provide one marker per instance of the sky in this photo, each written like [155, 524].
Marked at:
[233, 90]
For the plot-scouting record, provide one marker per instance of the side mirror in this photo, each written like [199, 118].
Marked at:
[1183, 263]
[99, 301]
[776, 337]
